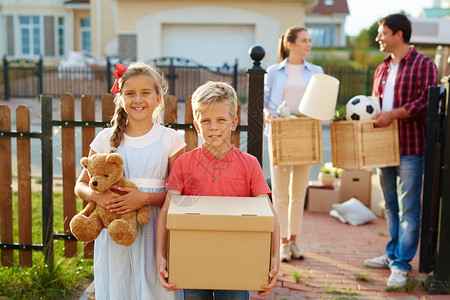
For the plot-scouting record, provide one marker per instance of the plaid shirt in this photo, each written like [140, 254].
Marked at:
[416, 72]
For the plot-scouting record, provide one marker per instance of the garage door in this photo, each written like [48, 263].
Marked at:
[209, 44]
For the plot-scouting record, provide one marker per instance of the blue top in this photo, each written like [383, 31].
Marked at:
[276, 79]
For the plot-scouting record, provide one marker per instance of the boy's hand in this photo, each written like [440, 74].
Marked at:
[266, 289]
[163, 275]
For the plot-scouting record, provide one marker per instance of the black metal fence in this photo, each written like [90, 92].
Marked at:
[29, 79]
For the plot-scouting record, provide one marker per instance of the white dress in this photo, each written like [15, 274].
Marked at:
[122, 272]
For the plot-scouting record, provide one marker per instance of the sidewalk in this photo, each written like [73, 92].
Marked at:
[334, 252]
[334, 256]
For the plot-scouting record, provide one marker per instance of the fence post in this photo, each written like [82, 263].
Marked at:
[108, 75]
[5, 77]
[256, 104]
[368, 80]
[235, 75]
[41, 75]
[171, 76]
[47, 177]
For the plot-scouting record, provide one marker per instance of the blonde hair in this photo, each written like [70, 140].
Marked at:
[119, 120]
[213, 92]
[289, 36]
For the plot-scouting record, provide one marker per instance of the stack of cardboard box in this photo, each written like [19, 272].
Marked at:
[356, 184]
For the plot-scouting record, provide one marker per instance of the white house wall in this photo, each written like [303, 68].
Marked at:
[206, 44]
[36, 3]
[150, 32]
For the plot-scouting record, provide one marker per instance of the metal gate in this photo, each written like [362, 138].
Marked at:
[22, 78]
[435, 232]
[185, 75]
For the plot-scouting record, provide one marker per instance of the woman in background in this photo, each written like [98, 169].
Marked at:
[286, 82]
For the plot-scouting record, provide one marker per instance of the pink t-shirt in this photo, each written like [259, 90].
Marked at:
[200, 173]
[295, 87]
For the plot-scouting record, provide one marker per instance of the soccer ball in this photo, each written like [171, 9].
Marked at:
[362, 108]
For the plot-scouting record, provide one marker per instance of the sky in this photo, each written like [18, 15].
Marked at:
[363, 13]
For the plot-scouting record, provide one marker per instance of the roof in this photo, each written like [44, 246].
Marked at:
[77, 2]
[329, 7]
[436, 12]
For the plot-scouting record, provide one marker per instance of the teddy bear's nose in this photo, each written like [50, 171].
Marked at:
[94, 183]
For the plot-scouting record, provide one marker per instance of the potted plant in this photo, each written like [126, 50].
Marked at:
[328, 174]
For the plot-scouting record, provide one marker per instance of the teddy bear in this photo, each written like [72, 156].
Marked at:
[105, 170]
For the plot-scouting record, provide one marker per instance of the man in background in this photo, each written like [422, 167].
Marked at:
[401, 83]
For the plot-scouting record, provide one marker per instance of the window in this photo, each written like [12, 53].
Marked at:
[328, 2]
[30, 35]
[322, 35]
[60, 37]
[85, 31]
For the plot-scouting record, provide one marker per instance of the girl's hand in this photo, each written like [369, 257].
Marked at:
[163, 275]
[123, 204]
[102, 199]
[266, 289]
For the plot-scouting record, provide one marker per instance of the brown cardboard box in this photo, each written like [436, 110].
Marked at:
[356, 184]
[219, 242]
[321, 199]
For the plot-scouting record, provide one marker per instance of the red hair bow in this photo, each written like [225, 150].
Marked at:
[120, 70]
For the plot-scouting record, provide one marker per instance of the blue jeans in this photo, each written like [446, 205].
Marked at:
[218, 295]
[403, 209]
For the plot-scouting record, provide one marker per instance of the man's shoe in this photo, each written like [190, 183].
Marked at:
[297, 253]
[398, 278]
[285, 253]
[381, 262]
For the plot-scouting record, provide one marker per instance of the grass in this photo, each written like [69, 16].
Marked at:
[409, 286]
[297, 275]
[341, 291]
[363, 277]
[62, 280]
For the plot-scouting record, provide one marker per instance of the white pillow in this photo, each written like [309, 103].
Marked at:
[354, 212]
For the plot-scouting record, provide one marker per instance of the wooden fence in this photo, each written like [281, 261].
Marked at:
[88, 123]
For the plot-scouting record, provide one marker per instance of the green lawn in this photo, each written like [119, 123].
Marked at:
[65, 279]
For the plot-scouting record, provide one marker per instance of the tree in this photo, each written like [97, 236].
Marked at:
[366, 38]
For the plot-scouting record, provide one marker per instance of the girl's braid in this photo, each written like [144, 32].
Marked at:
[118, 123]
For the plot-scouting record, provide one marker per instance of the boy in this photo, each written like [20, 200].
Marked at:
[216, 168]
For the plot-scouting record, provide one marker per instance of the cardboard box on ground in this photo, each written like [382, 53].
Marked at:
[356, 184]
[219, 242]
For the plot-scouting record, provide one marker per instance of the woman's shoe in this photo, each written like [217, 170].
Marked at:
[297, 253]
[285, 253]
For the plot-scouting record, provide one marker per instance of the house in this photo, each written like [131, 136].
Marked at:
[440, 9]
[326, 23]
[431, 29]
[208, 31]
[47, 28]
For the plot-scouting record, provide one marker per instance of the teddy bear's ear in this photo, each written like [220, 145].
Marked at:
[84, 162]
[114, 158]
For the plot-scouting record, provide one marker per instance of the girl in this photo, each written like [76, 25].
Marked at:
[149, 151]
[286, 81]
